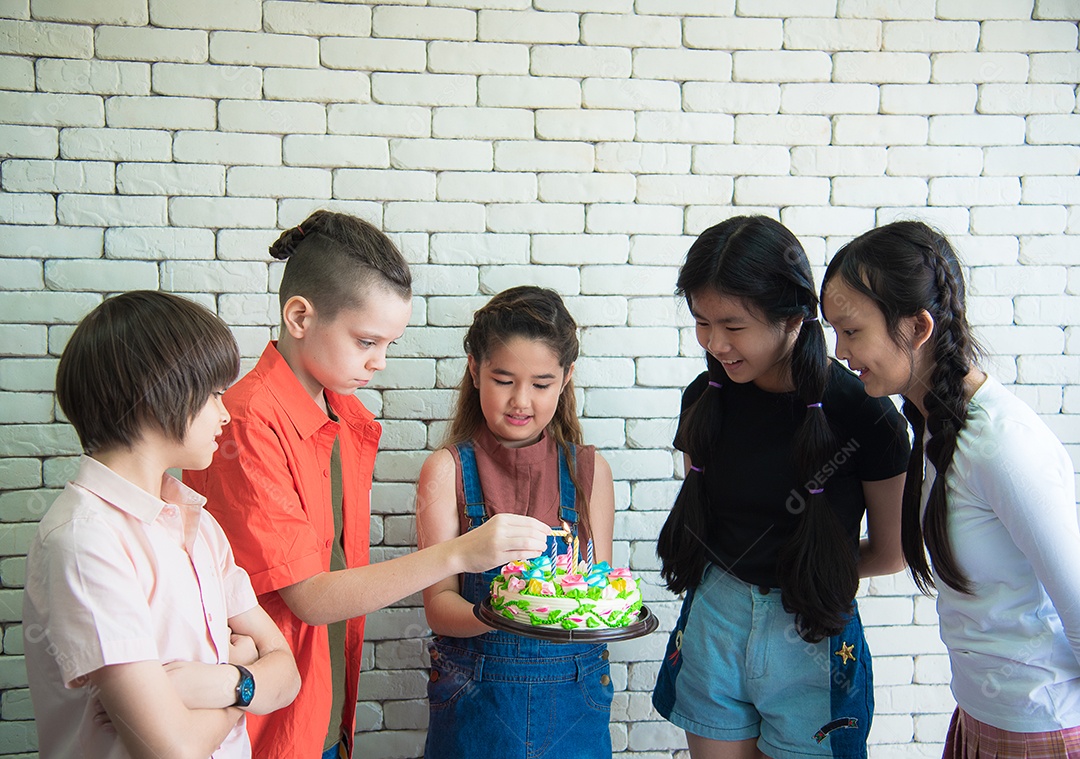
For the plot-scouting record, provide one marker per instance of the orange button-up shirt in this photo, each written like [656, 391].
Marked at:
[269, 488]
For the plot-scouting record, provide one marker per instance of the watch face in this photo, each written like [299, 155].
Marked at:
[247, 689]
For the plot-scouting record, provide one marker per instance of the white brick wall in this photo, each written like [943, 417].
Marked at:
[581, 144]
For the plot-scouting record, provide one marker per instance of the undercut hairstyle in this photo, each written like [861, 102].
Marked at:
[143, 359]
[759, 262]
[905, 268]
[334, 260]
[533, 313]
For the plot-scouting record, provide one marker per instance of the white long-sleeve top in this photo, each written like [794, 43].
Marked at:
[1014, 645]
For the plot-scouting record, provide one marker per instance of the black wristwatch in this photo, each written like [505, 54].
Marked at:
[245, 689]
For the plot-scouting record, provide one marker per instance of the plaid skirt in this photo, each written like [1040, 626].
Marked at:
[970, 739]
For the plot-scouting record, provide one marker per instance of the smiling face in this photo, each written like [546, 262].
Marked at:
[343, 353]
[863, 340]
[750, 348]
[199, 443]
[519, 383]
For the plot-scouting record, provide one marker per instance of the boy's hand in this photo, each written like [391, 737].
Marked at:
[501, 539]
[242, 650]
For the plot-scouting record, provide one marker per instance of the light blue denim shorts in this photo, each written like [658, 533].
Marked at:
[735, 669]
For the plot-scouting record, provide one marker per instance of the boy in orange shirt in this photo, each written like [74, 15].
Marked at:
[292, 485]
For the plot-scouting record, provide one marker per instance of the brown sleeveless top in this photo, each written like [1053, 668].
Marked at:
[524, 480]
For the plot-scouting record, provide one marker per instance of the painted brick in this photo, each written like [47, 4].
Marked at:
[528, 26]
[479, 249]
[44, 308]
[317, 19]
[1017, 280]
[1029, 36]
[28, 142]
[381, 120]
[663, 250]
[483, 123]
[974, 191]
[230, 148]
[564, 218]
[528, 92]
[198, 80]
[320, 86]
[106, 210]
[424, 23]
[477, 58]
[579, 61]
[271, 116]
[215, 213]
[781, 66]
[785, 8]
[592, 311]
[1055, 67]
[1048, 190]
[829, 98]
[101, 276]
[1026, 99]
[160, 112]
[626, 279]
[637, 401]
[1054, 9]
[213, 276]
[926, 99]
[614, 218]
[682, 65]
[951, 221]
[734, 33]
[561, 279]
[829, 161]
[150, 44]
[16, 73]
[58, 176]
[1054, 370]
[27, 208]
[630, 31]
[262, 49]
[50, 242]
[424, 89]
[97, 77]
[22, 275]
[579, 249]
[34, 39]
[976, 130]
[982, 10]
[629, 94]
[834, 219]
[785, 129]
[584, 6]
[278, 182]
[1047, 250]
[436, 155]
[934, 161]
[126, 12]
[369, 54]
[1054, 129]
[832, 34]
[207, 14]
[930, 36]
[880, 130]
[585, 126]
[159, 242]
[115, 144]
[551, 156]
[383, 185]
[677, 189]
[1012, 340]
[46, 109]
[245, 244]
[506, 187]
[686, 7]
[667, 126]
[782, 191]
[403, 216]
[980, 67]
[879, 68]
[733, 97]
[886, 9]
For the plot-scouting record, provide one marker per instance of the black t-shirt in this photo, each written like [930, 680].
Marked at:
[755, 498]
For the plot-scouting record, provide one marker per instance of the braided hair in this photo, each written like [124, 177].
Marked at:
[759, 261]
[907, 267]
[334, 259]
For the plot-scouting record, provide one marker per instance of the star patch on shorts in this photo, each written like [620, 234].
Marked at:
[836, 724]
[846, 652]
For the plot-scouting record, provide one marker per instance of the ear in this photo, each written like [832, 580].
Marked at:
[794, 324]
[297, 316]
[567, 377]
[474, 370]
[922, 329]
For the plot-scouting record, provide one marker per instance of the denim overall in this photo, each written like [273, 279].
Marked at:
[508, 696]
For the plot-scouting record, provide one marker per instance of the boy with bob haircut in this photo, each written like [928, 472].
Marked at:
[143, 638]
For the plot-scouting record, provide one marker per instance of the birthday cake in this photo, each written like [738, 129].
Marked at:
[548, 593]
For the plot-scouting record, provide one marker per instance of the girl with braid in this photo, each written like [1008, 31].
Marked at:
[989, 495]
[785, 453]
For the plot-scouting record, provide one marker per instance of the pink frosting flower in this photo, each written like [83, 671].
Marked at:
[515, 584]
[547, 588]
[563, 562]
[573, 582]
[621, 572]
[513, 568]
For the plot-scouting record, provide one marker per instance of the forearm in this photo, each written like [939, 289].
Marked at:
[276, 682]
[449, 614]
[335, 596]
[873, 562]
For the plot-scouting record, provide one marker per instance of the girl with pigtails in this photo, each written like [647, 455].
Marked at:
[784, 455]
[990, 495]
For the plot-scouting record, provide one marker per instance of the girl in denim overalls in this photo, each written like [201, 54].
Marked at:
[514, 445]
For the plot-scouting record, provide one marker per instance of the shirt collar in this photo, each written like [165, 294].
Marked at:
[129, 497]
[301, 409]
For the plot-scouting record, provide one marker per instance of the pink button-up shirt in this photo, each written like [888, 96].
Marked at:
[115, 575]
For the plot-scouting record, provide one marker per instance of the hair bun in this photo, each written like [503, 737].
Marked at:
[286, 244]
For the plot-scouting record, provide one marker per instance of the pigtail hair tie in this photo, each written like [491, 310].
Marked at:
[814, 405]
[697, 469]
[301, 231]
[714, 384]
[810, 319]
[816, 491]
